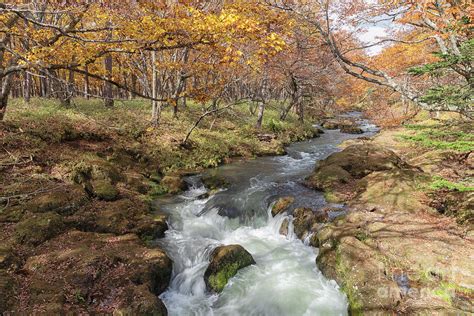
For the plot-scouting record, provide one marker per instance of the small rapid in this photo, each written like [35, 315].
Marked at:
[285, 279]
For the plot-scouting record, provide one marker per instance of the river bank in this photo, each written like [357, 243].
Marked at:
[76, 219]
[406, 244]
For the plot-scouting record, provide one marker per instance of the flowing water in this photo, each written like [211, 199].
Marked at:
[285, 279]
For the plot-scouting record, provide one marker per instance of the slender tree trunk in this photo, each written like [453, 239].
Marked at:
[285, 111]
[86, 84]
[134, 86]
[156, 108]
[108, 88]
[261, 110]
[26, 87]
[261, 106]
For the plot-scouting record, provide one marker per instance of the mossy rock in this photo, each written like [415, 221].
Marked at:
[330, 125]
[75, 266]
[12, 214]
[214, 182]
[8, 257]
[63, 201]
[351, 129]
[119, 217]
[139, 183]
[104, 190]
[91, 168]
[361, 160]
[173, 184]
[327, 177]
[304, 220]
[8, 292]
[226, 261]
[38, 228]
[393, 190]
[282, 205]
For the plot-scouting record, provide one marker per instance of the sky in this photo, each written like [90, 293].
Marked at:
[372, 35]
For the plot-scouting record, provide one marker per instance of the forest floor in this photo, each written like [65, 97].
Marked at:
[75, 217]
[407, 243]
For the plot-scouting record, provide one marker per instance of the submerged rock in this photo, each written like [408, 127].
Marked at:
[282, 205]
[226, 261]
[89, 273]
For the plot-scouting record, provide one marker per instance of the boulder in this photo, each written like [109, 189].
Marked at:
[328, 176]
[284, 227]
[304, 220]
[330, 125]
[38, 228]
[282, 205]
[337, 123]
[104, 190]
[354, 162]
[173, 184]
[351, 129]
[225, 262]
[214, 182]
[89, 273]
[65, 200]
[93, 168]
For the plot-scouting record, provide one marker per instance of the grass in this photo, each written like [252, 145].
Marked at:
[457, 137]
[440, 183]
[229, 134]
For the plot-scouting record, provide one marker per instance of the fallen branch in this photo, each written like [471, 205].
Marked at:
[208, 112]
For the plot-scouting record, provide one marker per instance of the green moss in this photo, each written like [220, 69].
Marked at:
[105, 190]
[331, 197]
[38, 228]
[445, 291]
[219, 280]
[347, 286]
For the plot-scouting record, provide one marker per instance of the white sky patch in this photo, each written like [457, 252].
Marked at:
[374, 34]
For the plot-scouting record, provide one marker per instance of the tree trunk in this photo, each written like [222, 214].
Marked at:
[26, 87]
[3, 106]
[156, 108]
[108, 88]
[285, 111]
[261, 110]
[300, 110]
[5, 91]
[86, 84]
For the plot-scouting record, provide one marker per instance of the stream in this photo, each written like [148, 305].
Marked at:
[285, 279]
